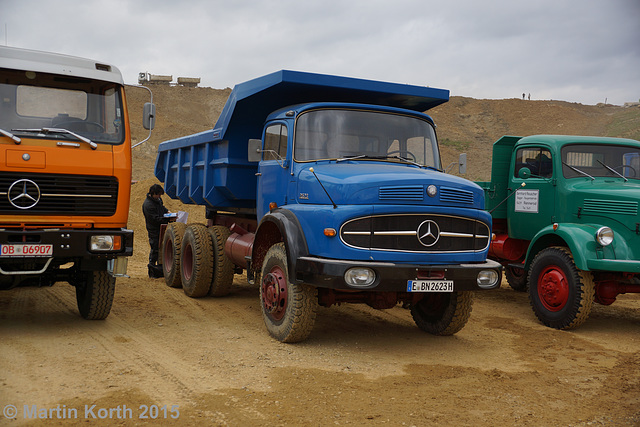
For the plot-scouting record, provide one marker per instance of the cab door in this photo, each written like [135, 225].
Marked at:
[532, 207]
[273, 170]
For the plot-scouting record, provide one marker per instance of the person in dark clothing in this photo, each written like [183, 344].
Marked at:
[154, 210]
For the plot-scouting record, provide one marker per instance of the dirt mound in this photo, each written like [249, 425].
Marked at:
[473, 125]
[464, 124]
[180, 111]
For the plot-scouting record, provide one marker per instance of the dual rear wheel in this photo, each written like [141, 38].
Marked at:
[193, 257]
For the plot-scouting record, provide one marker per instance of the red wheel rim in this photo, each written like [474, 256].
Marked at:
[274, 293]
[553, 288]
[167, 253]
[187, 262]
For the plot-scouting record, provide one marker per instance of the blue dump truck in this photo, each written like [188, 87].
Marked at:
[327, 190]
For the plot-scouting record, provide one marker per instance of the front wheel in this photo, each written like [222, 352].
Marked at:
[561, 295]
[443, 313]
[95, 295]
[288, 309]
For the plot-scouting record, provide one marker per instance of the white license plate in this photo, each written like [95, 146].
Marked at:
[25, 250]
[430, 286]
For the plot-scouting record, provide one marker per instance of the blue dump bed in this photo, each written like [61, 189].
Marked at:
[211, 167]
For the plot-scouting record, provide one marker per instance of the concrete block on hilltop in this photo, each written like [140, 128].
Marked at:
[162, 80]
[189, 81]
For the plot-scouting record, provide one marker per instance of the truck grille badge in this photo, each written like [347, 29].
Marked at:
[24, 194]
[428, 233]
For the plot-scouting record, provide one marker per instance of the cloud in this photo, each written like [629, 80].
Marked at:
[576, 50]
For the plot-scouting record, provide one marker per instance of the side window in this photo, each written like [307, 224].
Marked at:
[538, 160]
[275, 142]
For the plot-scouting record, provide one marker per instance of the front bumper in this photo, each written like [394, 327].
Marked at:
[68, 243]
[390, 277]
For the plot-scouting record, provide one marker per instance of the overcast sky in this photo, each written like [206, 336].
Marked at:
[573, 50]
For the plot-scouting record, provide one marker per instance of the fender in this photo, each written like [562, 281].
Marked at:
[579, 238]
[279, 225]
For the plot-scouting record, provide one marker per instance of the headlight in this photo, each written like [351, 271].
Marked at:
[604, 236]
[432, 190]
[487, 278]
[105, 243]
[359, 277]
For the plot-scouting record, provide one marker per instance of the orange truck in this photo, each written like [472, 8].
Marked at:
[65, 175]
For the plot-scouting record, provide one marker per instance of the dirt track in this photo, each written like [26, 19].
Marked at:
[214, 359]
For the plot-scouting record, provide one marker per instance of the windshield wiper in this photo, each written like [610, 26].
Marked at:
[361, 156]
[46, 131]
[366, 156]
[10, 135]
[578, 170]
[613, 171]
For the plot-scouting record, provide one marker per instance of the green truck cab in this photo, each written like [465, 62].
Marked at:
[566, 221]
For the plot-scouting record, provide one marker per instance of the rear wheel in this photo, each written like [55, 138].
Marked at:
[288, 310]
[222, 276]
[517, 278]
[443, 313]
[196, 261]
[95, 295]
[171, 246]
[561, 295]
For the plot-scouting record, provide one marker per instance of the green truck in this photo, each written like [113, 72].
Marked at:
[566, 221]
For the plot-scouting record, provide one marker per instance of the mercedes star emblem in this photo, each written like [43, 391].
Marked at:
[428, 233]
[24, 194]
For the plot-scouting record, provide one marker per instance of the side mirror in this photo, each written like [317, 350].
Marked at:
[149, 116]
[524, 173]
[254, 151]
[462, 163]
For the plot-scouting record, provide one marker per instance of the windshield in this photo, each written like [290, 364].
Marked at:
[343, 134]
[601, 161]
[85, 107]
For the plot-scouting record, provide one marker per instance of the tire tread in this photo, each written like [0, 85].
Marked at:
[199, 283]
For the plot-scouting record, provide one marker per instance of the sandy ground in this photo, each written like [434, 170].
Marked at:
[182, 361]
[162, 355]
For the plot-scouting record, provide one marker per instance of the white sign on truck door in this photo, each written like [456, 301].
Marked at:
[527, 201]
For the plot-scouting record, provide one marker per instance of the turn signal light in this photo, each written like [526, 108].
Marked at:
[117, 243]
[330, 232]
[272, 206]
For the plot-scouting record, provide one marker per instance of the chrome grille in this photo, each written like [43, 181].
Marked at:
[80, 195]
[416, 233]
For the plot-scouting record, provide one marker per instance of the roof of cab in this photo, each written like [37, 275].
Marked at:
[55, 63]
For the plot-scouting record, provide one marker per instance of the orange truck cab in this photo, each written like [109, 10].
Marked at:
[65, 175]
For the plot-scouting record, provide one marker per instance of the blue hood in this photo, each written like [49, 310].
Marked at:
[370, 183]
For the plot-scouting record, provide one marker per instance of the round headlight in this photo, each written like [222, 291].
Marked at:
[487, 278]
[432, 190]
[604, 236]
[359, 277]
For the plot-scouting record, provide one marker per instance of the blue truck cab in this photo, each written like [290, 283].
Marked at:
[328, 190]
